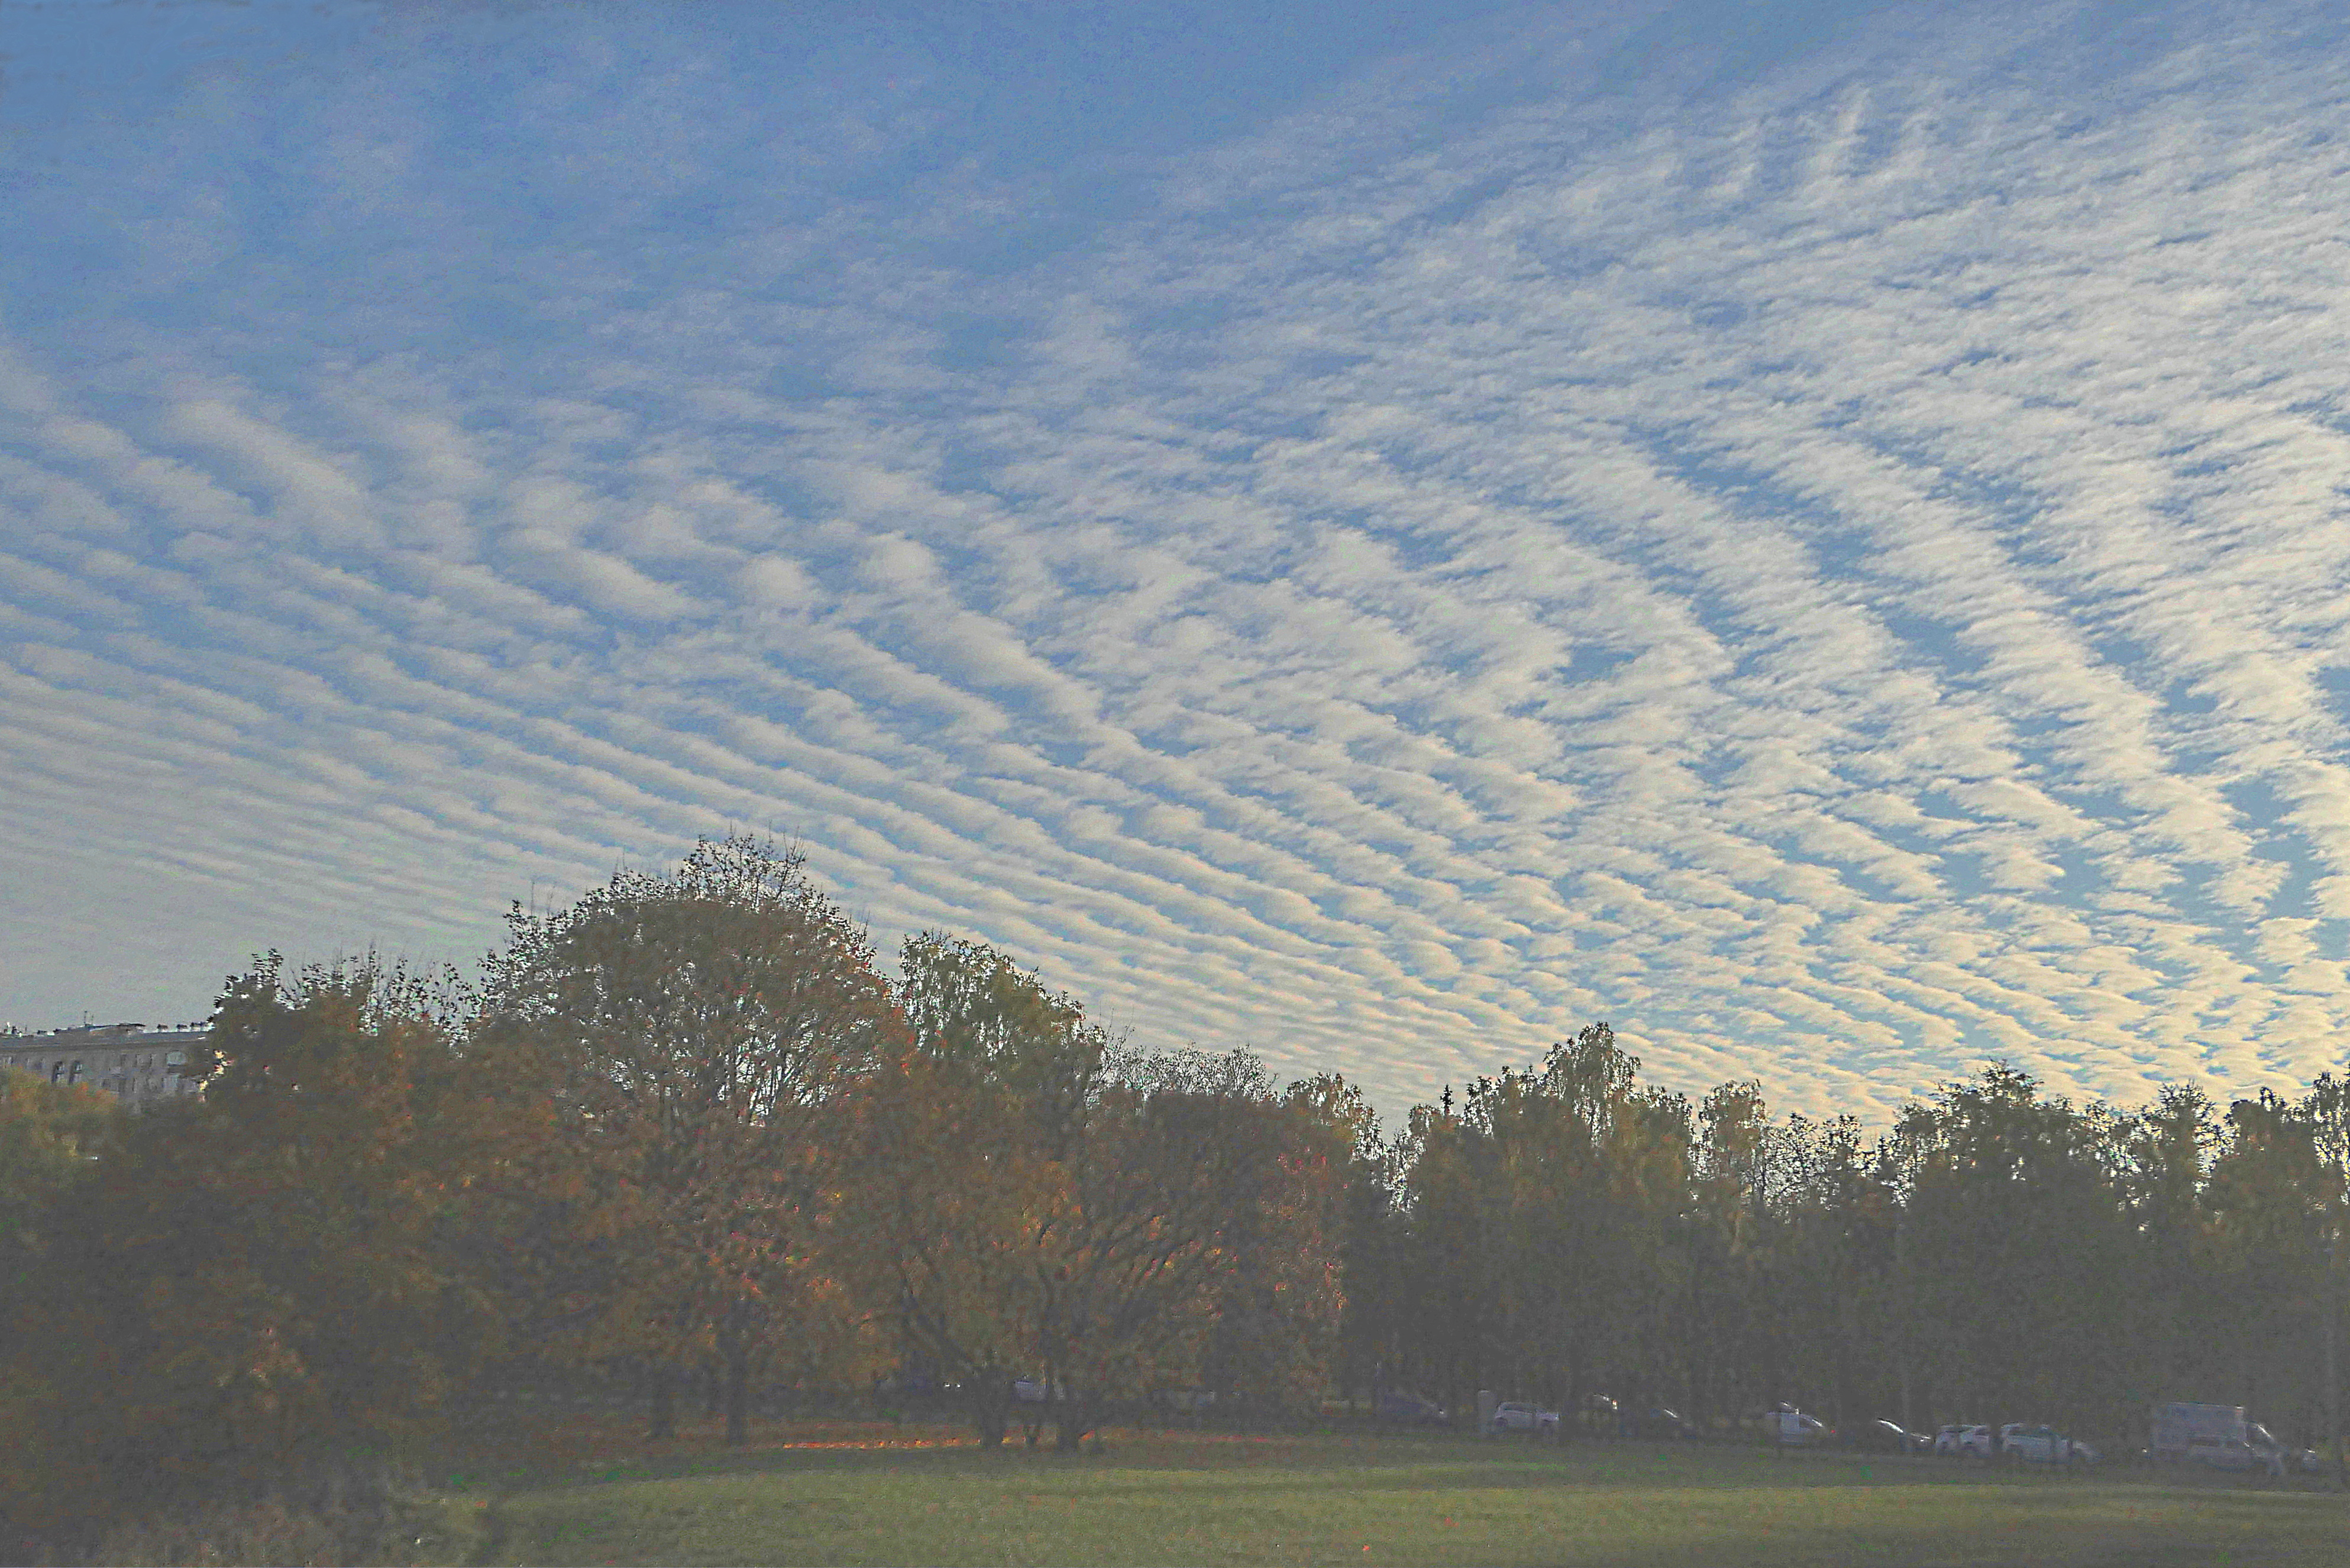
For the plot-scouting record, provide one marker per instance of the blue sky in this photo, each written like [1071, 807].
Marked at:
[1813, 532]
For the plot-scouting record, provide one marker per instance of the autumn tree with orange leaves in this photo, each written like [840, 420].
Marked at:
[698, 1031]
[956, 1195]
[1029, 1201]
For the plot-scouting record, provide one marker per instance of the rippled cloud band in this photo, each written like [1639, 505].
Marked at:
[1826, 547]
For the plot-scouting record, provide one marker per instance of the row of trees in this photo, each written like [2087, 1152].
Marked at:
[690, 1127]
[1998, 1254]
[686, 1127]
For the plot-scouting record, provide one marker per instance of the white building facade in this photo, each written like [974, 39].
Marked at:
[136, 1063]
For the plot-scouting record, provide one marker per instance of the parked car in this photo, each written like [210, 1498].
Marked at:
[1602, 1414]
[1404, 1406]
[2250, 1449]
[1666, 1425]
[1785, 1427]
[1883, 1437]
[1964, 1442]
[2023, 1443]
[1512, 1416]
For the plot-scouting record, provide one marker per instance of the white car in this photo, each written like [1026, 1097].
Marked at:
[1788, 1427]
[1799, 1430]
[1511, 1415]
[2250, 1448]
[2023, 1443]
[1963, 1443]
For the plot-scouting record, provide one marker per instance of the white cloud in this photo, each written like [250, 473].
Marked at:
[1836, 566]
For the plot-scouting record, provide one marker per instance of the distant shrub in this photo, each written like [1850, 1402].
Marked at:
[357, 1512]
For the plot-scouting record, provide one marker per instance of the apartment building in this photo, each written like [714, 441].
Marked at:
[135, 1063]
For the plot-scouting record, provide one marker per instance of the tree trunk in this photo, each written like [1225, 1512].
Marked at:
[2333, 1368]
[990, 1406]
[664, 1401]
[738, 1395]
[1069, 1424]
[1063, 1410]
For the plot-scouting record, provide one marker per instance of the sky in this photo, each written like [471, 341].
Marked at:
[1813, 532]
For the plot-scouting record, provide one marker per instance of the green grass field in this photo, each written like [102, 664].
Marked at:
[871, 1495]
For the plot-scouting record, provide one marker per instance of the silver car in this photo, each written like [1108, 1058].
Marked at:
[1963, 1442]
[1513, 1417]
[2020, 1442]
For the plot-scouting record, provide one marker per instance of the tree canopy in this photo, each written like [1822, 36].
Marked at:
[688, 1129]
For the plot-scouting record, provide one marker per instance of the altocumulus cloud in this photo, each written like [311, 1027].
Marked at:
[1816, 535]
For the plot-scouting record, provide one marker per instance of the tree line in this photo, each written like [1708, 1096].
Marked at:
[689, 1129]
[1998, 1253]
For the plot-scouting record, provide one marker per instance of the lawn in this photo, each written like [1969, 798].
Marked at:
[873, 1495]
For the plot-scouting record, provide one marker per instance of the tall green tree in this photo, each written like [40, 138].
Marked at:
[2266, 1251]
[2326, 1113]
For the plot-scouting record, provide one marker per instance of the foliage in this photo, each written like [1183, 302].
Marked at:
[54, 1140]
[1030, 1200]
[50, 1136]
[954, 1201]
[243, 1277]
[1998, 1254]
[699, 1032]
[320, 1515]
[686, 1129]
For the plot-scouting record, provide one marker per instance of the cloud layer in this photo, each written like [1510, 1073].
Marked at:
[1824, 546]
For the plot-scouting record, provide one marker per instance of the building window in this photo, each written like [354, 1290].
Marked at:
[56, 1070]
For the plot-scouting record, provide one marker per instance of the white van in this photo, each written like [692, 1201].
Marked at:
[2216, 1435]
